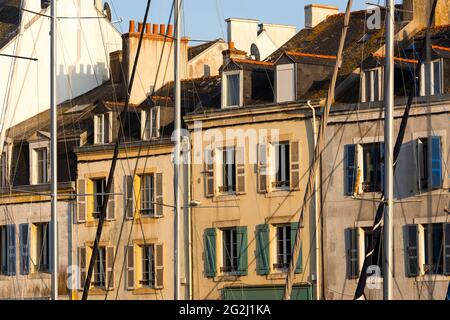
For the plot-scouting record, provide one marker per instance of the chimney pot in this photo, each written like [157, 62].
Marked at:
[231, 45]
[170, 30]
[131, 26]
[162, 28]
[155, 28]
[148, 28]
[140, 27]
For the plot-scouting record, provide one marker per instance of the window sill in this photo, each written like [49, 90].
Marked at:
[277, 275]
[227, 278]
[97, 291]
[280, 193]
[225, 197]
[432, 278]
[138, 291]
[147, 219]
[39, 275]
[94, 222]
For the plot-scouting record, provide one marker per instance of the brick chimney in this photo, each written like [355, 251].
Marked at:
[316, 13]
[232, 53]
[154, 43]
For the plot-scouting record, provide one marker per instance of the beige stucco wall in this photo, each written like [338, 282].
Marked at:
[153, 230]
[210, 59]
[37, 285]
[254, 208]
[342, 212]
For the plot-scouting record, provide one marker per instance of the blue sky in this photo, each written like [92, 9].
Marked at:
[204, 19]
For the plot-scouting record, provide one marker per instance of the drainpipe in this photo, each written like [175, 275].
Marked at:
[316, 211]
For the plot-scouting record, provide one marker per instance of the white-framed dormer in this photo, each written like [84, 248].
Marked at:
[371, 85]
[285, 82]
[103, 128]
[232, 88]
[39, 162]
[432, 78]
[150, 123]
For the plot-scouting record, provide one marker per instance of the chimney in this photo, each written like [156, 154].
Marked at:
[153, 47]
[316, 13]
[233, 53]
[170, 30]
[115, 63]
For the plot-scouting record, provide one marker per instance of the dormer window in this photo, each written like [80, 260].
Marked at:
[102, 128]
[232, 94]
[150, 123]
[431, 80]
[285, 82]
[40, 165]
[371, 85]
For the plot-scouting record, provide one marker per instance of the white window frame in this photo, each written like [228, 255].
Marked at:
[273, 164]
[283, 67]
[221, 163]
[152, 208]
[152, 275]
[104, 271]
[422, 248]
[233, 254]
[287, 235]
[424, 84]
[225, 87]
[370, 72]
[36, 246]
[102, 117]
[146, 115]
[34, 147]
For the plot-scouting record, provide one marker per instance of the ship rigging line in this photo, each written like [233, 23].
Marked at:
[120, 134]
[376, 230]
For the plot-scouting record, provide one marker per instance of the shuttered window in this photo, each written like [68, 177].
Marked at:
[262, 168]
[352, 253]
[242, 245]
[299, 265]
[81, 201]
[210, 252]
[282, 165]
[129, 197]
[350, 169]
[371, 85]
[436, 162]
[285, 83]
[431, 80]
[240, 170]
[99, 275]
[209, 173]
[150, 122]
[82, 260]
[129, 256]
[412, 250]
[24, 239]
[262, 249]
[228, 165]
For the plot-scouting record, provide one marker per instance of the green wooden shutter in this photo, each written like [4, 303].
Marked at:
[294, 228]
[350, 169]
[24, 242]
[412, 250]
[242, 244]
[436, 162]
[262, 249]
[210, 252]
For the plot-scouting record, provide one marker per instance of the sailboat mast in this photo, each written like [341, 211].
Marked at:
[388, 152]
[176, 160]
[53, 154]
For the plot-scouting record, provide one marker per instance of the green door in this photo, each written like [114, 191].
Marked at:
[266, 293]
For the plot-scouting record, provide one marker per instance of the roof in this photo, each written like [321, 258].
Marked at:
[9, 20]
[196, 50]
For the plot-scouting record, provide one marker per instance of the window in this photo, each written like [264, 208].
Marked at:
[228, 170]
[4, 171]
[231, 96]
[102, 128]
[371, 85]
[230, 250]
[147, 195]
[377, 259]
[431, 80]
[45, 4]
[434, 248]
[150, 123]
[285, 83]
[429, 163]
[283, 247]
[41, 165]
[42, 245]
[282, 165]
[100, 268]
[99, 196]
[364, 168]
[148, 266]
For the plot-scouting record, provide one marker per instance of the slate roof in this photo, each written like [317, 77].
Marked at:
[196, 50]
[9, 20]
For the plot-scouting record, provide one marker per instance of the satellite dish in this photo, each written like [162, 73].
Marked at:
[107, 11]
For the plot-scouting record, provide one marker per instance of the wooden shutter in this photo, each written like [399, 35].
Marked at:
[130, 267]
[262, 249]
[81, 201]
[129, 197]
[447, 248]
[3, 250]
[240, 170]
[159, 195]
[262, 168]
[110, 268]
[295, 165]
[412, 262]
[209, 173]
[436, 162]
[159, 266]
[352, 253]
[242, 244]
[299, 266]
[210, 252]
[350, 169]
[82, 265]
[24, 242]
[110, 215]
[157, 121]
[11, 260]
